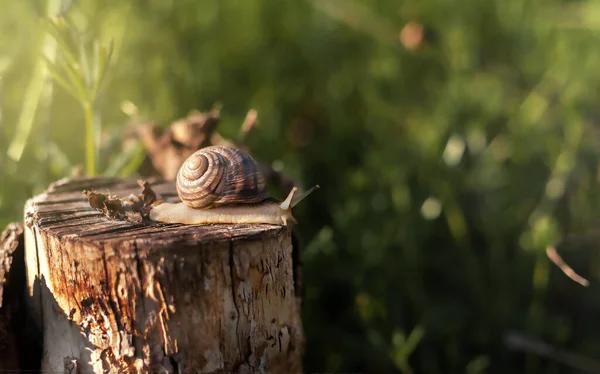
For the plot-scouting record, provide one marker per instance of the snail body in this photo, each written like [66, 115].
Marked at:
[221, 184]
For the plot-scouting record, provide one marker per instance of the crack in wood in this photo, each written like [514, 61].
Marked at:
[38, 276]
[115, 321]
[234, 296]
[130, 229]
[142, 305]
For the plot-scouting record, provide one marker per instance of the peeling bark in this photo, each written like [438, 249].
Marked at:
[10, 241]
[19, 342]
[117, 296]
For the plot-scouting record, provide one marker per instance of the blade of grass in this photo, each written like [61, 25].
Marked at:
[52, 28]
[28, 110]
[60, 164]
[90, 147]
[134, 163]
[35, 88]
[76, 79]
[126, 163]
[84, 63]
[59, 78]
[97, 127]
[102, 64]
[96, 68]
[1, 110]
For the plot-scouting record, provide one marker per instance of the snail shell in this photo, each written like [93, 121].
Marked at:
[220, 175]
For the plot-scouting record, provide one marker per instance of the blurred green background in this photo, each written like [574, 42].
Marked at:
[446, 164]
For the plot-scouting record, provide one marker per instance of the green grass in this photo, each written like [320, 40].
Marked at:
[444, 171]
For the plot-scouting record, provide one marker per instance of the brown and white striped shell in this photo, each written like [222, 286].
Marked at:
[220, 175]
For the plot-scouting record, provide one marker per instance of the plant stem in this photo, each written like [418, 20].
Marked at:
[90, 147]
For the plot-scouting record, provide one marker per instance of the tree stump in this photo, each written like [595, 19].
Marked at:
[114, 296]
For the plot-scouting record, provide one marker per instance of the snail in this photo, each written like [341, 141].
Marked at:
[221, 184]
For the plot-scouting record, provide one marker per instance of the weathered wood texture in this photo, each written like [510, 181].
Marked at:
[152, 297]
[18, 351]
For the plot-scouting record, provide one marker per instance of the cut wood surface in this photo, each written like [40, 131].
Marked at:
[115, 296]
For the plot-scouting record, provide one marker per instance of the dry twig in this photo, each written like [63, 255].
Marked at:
[249, 123]
[519, 342]
[569, 272]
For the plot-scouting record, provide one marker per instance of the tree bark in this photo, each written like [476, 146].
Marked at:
[114, 296]
[19, 344]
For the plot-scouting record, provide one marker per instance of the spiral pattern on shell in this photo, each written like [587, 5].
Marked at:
[220, 175]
